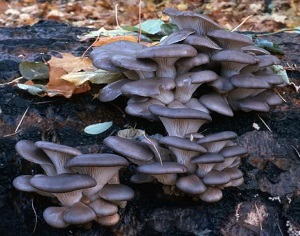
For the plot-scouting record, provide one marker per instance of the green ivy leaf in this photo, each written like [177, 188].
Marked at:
[279, 70]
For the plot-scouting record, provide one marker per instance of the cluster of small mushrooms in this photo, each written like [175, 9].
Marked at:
[161, 83]
[86, 185]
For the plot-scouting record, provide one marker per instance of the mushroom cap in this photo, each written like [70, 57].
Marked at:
[101, 56]
[188, 19]
[22, 183]
[215, 177]
[158, 169]
[62, 183]
[103, 208]
[253, 104]
[212, 194]
[97, 159]
[174, 113]
[177, 36]
[140, 178]
[231, 151]
[32, 153]
[129, 148]
[54, 217]
[185, 64]
[201, 42]
[271, 98]
[248, 81]
[217, 137]
[191, 184]
[208, 158]
[79, 214]
[234, 56]
[132, 63]
[217, 103]
[116, 192]
[234, 173]
[230, 40]
[140, 109]
[194, 103]
[108, 220]
[111, 91]
[255, 50]
[199, 77]
[167, 51]
[148, 87]
[57, 148]
[181, 143]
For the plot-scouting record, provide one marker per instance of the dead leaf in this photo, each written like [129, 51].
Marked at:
[106, 40]
[70, 63]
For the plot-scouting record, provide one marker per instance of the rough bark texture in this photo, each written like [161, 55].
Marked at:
[272, 168]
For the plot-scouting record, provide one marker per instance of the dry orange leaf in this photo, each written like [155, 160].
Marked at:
[106, 40]
[70, 63]
[57, 86]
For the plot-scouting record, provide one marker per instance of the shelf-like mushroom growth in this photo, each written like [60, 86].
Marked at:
[77, 180]
[236, 75]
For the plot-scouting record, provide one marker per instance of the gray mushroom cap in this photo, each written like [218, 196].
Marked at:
[217, 103]
[58, 154]
[230, 40]
[140, 108]
[111, 91]
[232, 61]
[32, 153]
[264, 61]
[135, 151]
[183, 65]
[231, 151]
[216, 177]
[54, 216]
[97, 160]
[177, 36]
[187, 83]
[212, 194]
[108, 220]
[202, 44]
[158, 88]
[166, 168]
[79, 214]
[208, 158]
[182, 143]
[166, 56]
[249, 81]
[191, 184]
[116, 192]
[255, 50]
[253, 104]
[62, 183]
[225, 135]
[101, 56]
[200, 23]
[103, 208]
[271, 98]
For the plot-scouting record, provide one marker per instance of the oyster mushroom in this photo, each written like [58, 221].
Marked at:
[165, 56]
[102, 167]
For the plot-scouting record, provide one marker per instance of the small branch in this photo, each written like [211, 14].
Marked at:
[264, 123]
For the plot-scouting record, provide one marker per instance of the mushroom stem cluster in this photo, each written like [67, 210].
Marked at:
[86, 185]
[237, 77]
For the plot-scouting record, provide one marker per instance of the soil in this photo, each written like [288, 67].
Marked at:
[271, 170]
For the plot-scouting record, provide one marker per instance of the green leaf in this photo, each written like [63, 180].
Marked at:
[148, 27]
[34, 70]
[279, 70]
[98, 128]
[169, 28]
[269, 46]
[33, 89]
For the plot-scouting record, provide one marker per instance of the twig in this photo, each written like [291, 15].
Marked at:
[140, 19]
[259, 217]
[23, 116]
[154, 147]
[296, 87]
[35, 223]
[116, 15]
[243, 22]
[296, 150]
[279, 229]
[280, 95]
[264, 123]
[13, 81]
[85, 52]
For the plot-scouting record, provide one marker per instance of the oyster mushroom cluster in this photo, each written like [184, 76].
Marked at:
[86, 185]
[164, 83]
